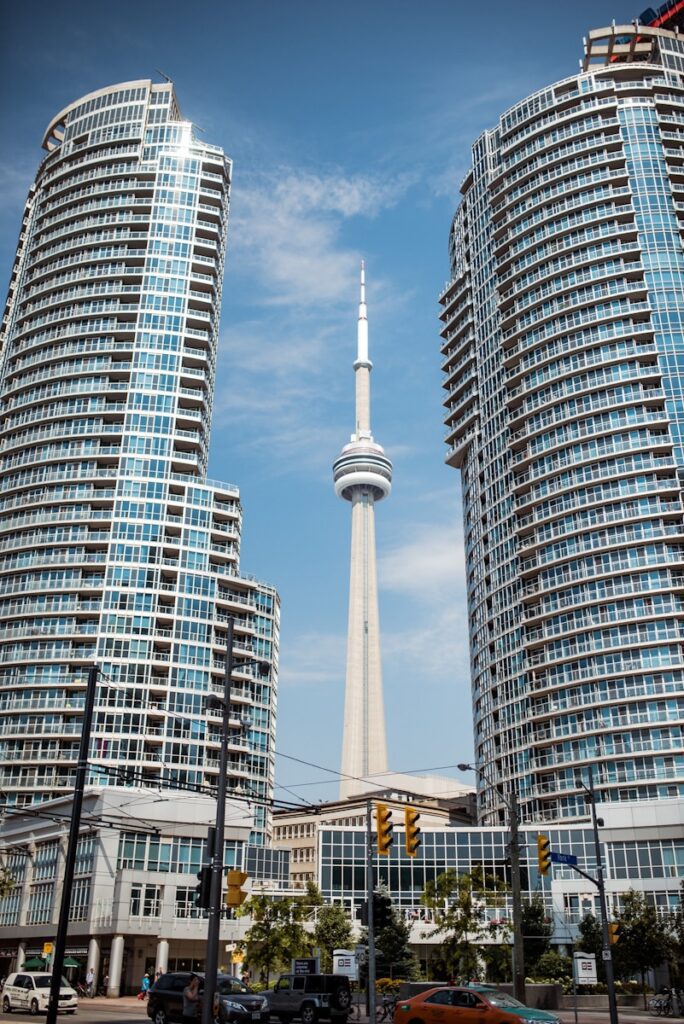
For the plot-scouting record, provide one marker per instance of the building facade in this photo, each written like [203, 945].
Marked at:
[642, 848]
[115, 549]
[133, 896]
[362, 474]
[563, 359]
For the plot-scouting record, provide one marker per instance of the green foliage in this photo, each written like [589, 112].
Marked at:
[7, 882]
[645, 940]
[459, 904]
[551, 966]
[393, 955]
[498, 963]
[537, 931]
[676, 924]
[277, 933]
[388, 986]
[333, 931]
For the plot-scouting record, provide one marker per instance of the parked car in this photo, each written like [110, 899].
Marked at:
[31, 992]
[475, 1004]
[310, 997]
[236, 1003]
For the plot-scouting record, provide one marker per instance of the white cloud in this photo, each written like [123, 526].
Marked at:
[427, 565]
[286, 231]
[313, 659]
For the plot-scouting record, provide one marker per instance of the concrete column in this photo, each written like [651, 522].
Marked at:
[21, 955]
[115, 965]
[162, 963]
[93, 960]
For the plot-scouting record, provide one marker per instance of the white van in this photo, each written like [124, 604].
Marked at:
[31, 993]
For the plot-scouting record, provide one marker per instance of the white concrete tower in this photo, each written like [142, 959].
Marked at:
[363, 475]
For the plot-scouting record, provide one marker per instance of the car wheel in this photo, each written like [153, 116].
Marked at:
[159, 1017]
[34, 1007]
[341, 999]
[6, 1005]
[308, 1014]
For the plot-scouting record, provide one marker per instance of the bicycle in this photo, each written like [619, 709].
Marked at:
[661, 1006]
[385, 1011]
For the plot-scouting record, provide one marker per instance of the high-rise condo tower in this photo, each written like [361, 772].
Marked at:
[114, 547]
[563, 348]
[363, 475]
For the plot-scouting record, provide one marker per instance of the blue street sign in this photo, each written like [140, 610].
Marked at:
[563, 858]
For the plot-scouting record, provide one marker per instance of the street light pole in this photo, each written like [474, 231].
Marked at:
[600, 885]
[516, 885]
[215, 892]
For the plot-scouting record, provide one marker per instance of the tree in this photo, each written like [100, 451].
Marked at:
[591, 941]
[459, 904]
[677, 939]
[537, 931]
[333, 931]
[277, 933]
[393, 955]
[644, 939]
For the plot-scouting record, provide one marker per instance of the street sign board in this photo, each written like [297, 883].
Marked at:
[585, 968]
[47, 949]
[563, 858]
[345, 962]
[305, 965]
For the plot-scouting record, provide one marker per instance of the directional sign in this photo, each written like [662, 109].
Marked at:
[563, 858]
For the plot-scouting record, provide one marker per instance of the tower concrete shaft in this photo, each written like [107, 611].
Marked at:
[363, 475]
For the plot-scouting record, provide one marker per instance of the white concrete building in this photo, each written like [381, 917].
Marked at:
[132, 902]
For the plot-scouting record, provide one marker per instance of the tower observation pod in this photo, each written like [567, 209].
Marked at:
[362, 475]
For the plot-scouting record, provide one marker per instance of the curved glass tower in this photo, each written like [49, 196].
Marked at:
[114, 547]
[563, 347]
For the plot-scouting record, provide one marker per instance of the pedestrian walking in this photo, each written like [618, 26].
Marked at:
[145, 986]
[90, 982]
[191, 999]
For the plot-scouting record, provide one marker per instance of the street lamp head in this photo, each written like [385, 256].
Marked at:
[465, 767]
[214, 701]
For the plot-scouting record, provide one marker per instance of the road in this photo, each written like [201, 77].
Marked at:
[131, 1011]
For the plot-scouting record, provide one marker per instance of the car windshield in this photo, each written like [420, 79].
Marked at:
[44, 981]
[231, 986]
[501, 999]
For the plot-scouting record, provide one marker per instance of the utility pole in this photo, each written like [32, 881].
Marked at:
[74, 829]
[516, 893]
[370, 892]
[215, 897]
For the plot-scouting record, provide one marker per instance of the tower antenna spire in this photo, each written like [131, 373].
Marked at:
[363, 476]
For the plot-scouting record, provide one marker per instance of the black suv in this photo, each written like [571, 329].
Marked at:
[237, 1004]
[311, 997]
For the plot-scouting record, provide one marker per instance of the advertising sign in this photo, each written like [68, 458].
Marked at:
[345, 962]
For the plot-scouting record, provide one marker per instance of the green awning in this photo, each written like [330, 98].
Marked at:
[70, 962]
[36, 963]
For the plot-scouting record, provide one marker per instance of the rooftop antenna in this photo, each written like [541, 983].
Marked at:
[163, 74]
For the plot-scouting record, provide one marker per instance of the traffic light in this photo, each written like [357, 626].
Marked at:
[543, 853]
[383, 821]
[235, 896]
[413, 840]
[203, 889]
[613, 932]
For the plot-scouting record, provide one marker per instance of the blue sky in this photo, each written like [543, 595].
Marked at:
[349, 125]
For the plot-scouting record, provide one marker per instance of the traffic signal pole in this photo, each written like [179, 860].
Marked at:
[606, 952]
[516, 891]
[216, 893]
[370, 892]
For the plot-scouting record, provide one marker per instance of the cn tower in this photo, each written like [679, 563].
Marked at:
[363, 475]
